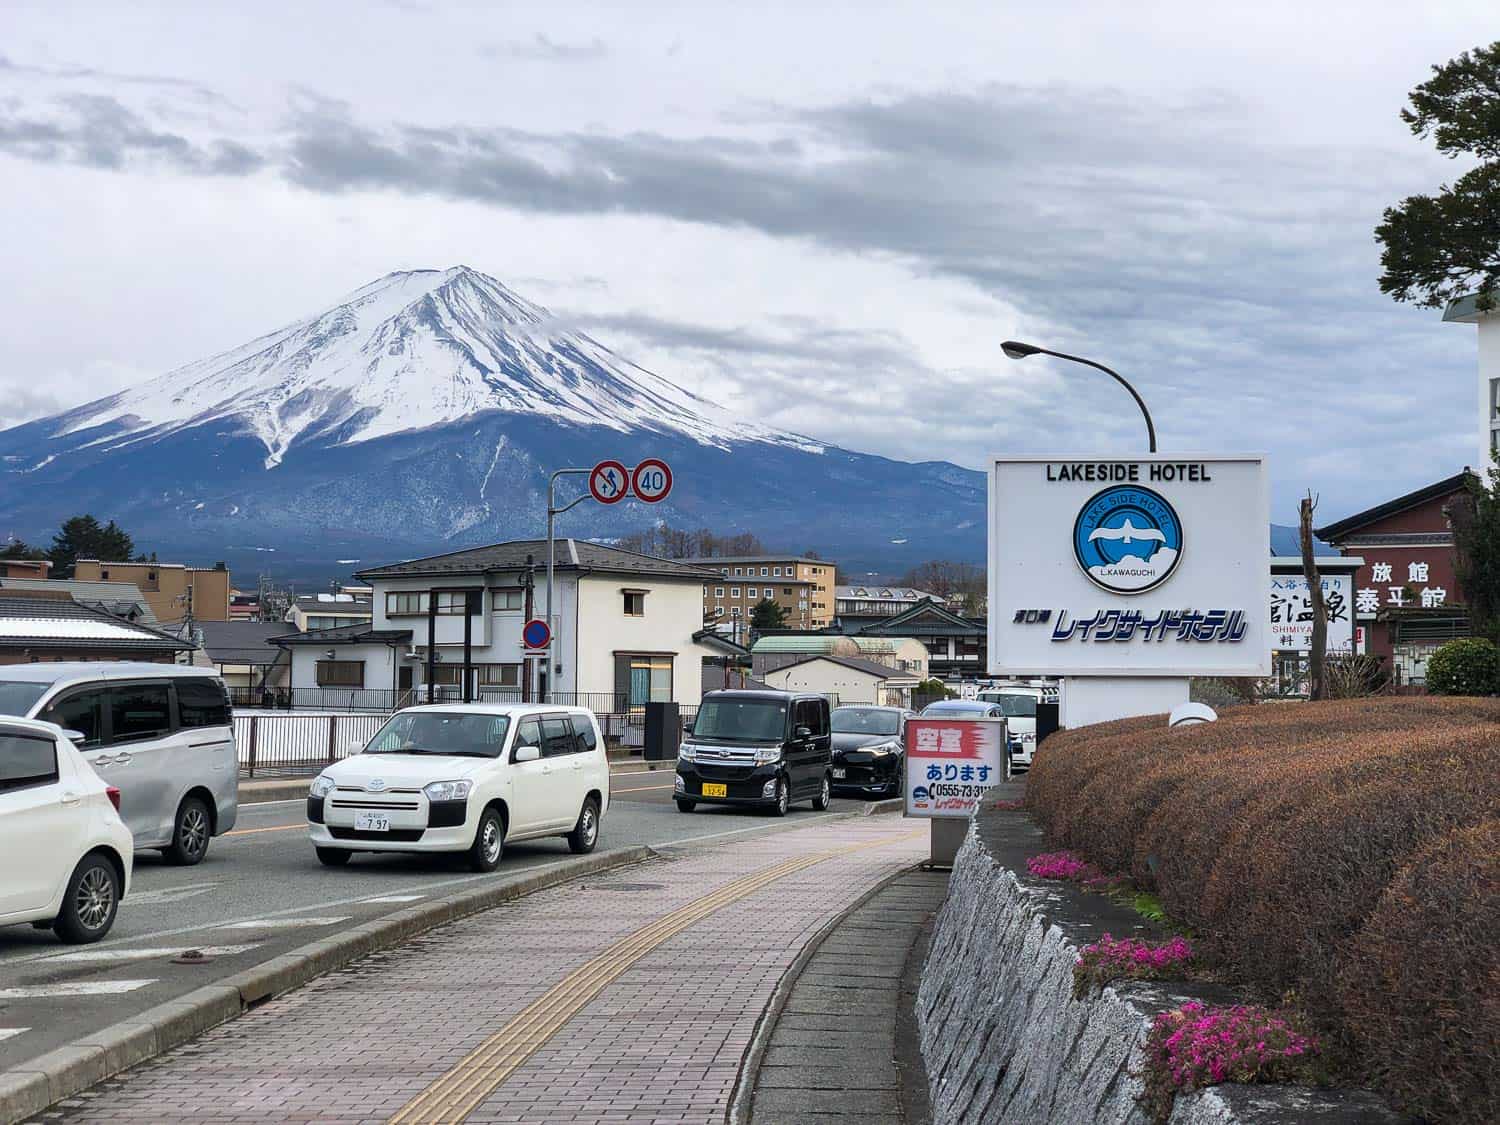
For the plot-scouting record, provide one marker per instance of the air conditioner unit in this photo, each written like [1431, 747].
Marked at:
[412, 654]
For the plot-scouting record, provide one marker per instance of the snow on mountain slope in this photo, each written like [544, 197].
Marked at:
[413, 350]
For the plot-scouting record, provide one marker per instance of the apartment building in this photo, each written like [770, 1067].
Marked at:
[801, 586]
[172, 590]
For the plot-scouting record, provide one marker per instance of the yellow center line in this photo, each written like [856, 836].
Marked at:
[479, 1073]
[273, 828]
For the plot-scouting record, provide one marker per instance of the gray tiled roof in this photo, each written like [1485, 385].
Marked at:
[572, 555]
[359, 633]
[242, 642]
[122, 599]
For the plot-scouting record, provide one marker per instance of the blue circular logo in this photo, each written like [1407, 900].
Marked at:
[1127, 539]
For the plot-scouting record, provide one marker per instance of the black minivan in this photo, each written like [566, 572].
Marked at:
[766, 748]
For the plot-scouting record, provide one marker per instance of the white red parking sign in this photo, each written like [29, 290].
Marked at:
[652, 480]
[951, 764]
[609, 482]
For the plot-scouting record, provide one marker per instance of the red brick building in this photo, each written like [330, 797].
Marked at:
[1406, 596]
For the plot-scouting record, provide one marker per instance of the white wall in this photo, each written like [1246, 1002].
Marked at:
[1489, 368]
[826, 677]
[378, 667]
[674, 612]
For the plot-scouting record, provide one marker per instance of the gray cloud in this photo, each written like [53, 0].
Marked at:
[64, 73]
[541, 48]
[100, 132]
[1231, 274]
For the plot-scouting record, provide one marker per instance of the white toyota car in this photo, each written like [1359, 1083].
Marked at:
[65, 854]
[465, 777]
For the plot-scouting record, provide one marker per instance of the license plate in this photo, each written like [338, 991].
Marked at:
[710, 789]
[371, 822]
[839, 775]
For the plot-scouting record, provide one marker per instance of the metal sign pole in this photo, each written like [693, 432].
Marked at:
[552, 513]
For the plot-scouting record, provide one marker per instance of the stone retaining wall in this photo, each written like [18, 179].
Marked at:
[1003, 1038]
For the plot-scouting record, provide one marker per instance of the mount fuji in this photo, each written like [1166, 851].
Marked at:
[422, 414]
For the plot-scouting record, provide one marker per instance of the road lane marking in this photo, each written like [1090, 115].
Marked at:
[277, 923]
[12, 1032]
[479, 1073]
[273, 828]
[74, 988]
[168, 894]
[395, 898]
[146, 954]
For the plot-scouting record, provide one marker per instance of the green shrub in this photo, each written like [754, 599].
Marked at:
[1467, 666]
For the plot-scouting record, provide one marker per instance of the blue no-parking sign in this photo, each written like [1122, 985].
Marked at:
[536, 634]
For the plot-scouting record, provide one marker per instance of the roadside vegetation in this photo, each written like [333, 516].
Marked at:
[1337, 861]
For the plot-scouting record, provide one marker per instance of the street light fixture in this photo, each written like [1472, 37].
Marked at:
[1015, 349]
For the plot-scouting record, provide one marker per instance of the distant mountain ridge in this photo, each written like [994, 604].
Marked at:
[423, 413]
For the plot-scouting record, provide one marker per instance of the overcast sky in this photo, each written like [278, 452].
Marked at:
[827, 215]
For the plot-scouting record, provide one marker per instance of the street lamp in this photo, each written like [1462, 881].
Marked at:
[1015, 349]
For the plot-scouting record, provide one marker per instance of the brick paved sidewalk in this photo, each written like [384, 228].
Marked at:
[659, 1039]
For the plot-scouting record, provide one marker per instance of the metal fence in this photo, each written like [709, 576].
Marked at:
[386, 700]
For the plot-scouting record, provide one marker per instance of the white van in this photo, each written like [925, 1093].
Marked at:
[159, 733]
[465, 777]
[1020, 702]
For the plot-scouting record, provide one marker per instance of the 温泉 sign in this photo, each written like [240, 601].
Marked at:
[1145, 566]
[1291, 612]
[951, 764]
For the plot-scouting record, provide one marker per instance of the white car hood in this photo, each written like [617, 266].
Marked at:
[402, 771]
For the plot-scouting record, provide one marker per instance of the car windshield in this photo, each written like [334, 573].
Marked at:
[1016, 706]
[17, 696]
[441, 732]
[958, 710]
[741, 720]
[865, 720]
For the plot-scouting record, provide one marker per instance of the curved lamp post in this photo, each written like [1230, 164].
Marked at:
[1017, 350]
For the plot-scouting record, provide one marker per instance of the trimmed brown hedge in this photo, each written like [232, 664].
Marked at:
[1282, 833]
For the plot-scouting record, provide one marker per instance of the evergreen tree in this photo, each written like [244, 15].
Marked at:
[766, 614]
[1440, 247]
[1474, 515]
[84, 537]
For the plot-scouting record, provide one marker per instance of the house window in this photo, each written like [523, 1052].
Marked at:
[724, 571]
[718, 591]
[104, 575]
[406, 604]
[341, 673]
[776, 572]
[734, 591]
[752, 593]
[765, 571]
[453, 603]
[500, 675]
[739, 571]
[507, 599]
[734, 611]
[635, 603]
[643, 678]
[786, 589]
[718, 611]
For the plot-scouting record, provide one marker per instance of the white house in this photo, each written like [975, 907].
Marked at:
[623, 629]
[329, 611]
[1465, 311]
[851, 679]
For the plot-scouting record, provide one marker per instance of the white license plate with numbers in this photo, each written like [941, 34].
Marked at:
[371, 822]
[839, 775]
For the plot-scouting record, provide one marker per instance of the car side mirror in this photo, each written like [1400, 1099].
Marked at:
[526, 754]
[804, 732]
[76, 737]
[687, 728]
[352, 748]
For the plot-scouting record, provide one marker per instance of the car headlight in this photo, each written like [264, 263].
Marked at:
[768, 755]
[882, 748]
[322, 786]
[447, 790]
[687, 752]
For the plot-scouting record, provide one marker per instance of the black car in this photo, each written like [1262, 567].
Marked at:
[765, 748]
[869, 749]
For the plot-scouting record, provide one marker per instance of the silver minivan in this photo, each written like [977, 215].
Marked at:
[160, 733]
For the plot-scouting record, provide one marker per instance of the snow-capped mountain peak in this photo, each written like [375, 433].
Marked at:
[412, 350]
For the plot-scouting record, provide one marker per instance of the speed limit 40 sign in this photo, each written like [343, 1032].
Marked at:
[652, 480]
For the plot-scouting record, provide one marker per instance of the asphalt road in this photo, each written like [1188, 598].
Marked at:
[261, 893]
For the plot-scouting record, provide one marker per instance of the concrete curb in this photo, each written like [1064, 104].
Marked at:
[43, 1081]
[259, 792]
[889, 805]
[738, 1110]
